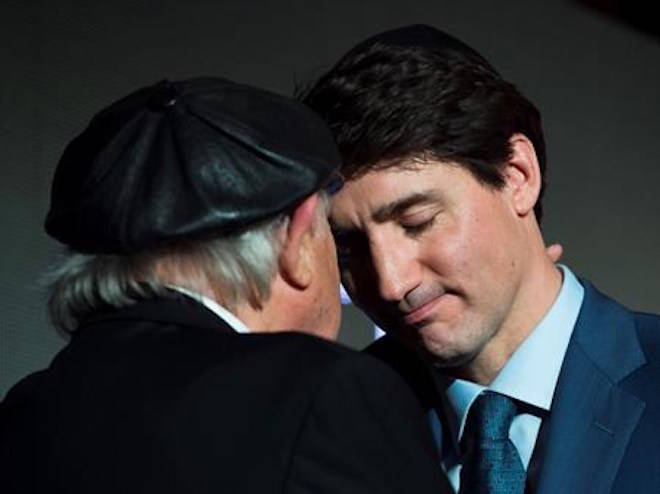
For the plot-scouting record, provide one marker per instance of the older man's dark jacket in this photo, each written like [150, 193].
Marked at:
[164, 397]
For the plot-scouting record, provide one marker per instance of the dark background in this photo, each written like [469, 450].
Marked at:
[593, 68]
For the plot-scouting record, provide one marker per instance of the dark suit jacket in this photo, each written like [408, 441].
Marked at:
[162, 397]
[602, 435]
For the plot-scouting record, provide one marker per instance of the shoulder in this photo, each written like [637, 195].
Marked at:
[601, 310]
[632, 341]
[328, 363]
[646, 325]
[648, 334]
[364, 430]
[617, 331]
[332, 376]
[408, 365]
[648, 330]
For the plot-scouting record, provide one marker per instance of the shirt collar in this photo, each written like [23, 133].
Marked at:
[531, 373]
[214, 307]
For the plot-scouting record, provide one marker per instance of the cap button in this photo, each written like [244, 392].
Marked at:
[164, 95]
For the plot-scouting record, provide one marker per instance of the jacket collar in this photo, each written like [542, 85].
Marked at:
[173, 308]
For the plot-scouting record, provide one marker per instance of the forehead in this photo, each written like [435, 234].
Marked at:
[379, 187]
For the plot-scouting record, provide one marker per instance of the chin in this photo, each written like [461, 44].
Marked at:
[444, 352]
[448, 360]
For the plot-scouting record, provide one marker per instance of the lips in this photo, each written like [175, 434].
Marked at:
[422, 312]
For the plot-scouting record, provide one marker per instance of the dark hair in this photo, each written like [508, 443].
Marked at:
[419, 92]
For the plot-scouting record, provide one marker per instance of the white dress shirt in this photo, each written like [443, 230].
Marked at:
[236, 324]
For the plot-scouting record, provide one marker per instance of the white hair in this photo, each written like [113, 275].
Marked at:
[240, 268]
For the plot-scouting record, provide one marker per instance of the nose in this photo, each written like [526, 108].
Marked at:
[395, 266]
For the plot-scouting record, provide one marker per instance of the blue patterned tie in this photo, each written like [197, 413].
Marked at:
[491, 464]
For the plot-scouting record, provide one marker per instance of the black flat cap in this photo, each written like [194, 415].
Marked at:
[186, 159]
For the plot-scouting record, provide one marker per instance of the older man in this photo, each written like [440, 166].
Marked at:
[194, 213]
[535, 381]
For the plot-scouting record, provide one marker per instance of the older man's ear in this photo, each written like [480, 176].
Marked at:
[296, 266]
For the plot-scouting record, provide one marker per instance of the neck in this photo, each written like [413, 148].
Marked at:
[280, 312]
[536, 294]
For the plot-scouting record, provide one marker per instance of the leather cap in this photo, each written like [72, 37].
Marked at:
[195, 158]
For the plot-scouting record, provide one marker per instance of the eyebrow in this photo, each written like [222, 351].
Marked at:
[395, 209]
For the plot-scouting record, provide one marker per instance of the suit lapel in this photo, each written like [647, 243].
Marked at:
[591, 418]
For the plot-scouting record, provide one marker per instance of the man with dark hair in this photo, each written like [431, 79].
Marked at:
[194, 216]
[534, 380]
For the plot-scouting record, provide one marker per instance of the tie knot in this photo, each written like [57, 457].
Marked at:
[490, 417]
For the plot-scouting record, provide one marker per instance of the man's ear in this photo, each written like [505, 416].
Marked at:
[296, 263]
[523, 175]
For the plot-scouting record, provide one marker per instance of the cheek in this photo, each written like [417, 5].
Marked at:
[488, 260]
[495, 244]
[447, 251]
[465, 254]
[445, 258]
